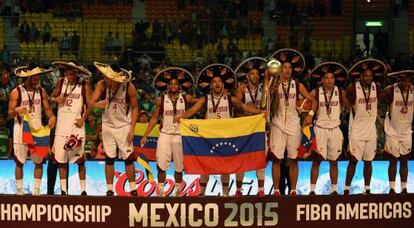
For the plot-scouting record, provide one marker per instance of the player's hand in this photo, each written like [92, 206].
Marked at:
[143, 141]
[101, 104]
[79, 122]
[177, 119]
[130, 136]
[21, 110]
[308, 120]
[52, 122]
[60, 100]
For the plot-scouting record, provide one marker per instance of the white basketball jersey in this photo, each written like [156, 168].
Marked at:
[169, 126]
[329, 119]
[252, 98]
[71, 110]
[363, 123]
[223, 108]
[287, 117]
[35, 112]
[401, 115]
[117, 113]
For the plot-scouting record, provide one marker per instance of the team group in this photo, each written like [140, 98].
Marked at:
[226, 93]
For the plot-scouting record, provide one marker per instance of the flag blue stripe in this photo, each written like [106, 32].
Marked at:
[197, 146]
[41, 141]
[151, 141]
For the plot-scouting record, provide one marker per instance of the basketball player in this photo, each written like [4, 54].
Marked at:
[28, 98]
[250, 93]
[363, 96]
[285, 132]
[120, 114]
[71, 94]
[215, 80]
[171, 80]
[397, 126]
[330, 99]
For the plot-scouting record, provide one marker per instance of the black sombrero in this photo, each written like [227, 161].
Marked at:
[164, 76]
[258, 63]
[338, 70]
[376, 66]
[292, 56]
[402, 74]
[216, 70]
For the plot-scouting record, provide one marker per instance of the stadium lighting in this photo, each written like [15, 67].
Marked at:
[374, 23]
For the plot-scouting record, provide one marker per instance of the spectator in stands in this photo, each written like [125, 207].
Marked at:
[16, 15]
[168, 32]
[174, 28]
[156, 27]
[34, 33]
[270, 47]
[5, 55]
[75, 43]
[24, 32]
[5, 138]
[396, 8]
[117, 44]
[6, 85]
[46, 33]
[366, 41]
[143, 117]
[7, 7]
[144, 62]
[49, 81]
[107, 44]
[141, 80]
[232, 49]
[64, 45]
[146, 104]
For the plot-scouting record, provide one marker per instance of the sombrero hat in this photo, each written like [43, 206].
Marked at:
[163, 77]
[258, 63]
[80, 69]
[29, 71]
[113, 72]
[402, 74]
[338, 70]
[376, 66]
[292, 56]
[216, 70]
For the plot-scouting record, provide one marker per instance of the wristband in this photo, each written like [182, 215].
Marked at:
[311, 113]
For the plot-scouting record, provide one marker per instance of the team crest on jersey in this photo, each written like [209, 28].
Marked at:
[72, 143]
[194, 128]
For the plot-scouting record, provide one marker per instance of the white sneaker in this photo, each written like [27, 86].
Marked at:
[36, 192]
[20, 192]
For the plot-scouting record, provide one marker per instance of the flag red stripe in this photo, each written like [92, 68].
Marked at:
[150, 153]
[224, 164]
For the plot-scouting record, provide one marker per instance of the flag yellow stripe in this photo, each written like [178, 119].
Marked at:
[40, 132]
[140, 129]
[223, 128]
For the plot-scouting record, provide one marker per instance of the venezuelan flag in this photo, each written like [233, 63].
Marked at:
[37, 140]
[143, 161]
[149, 149]
[223, 146]
[308, 142]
